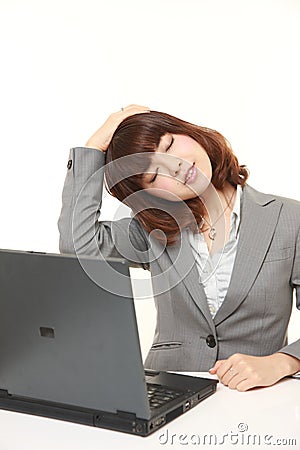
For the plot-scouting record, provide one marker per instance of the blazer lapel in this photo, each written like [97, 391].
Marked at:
[259, 216]
[183, 262]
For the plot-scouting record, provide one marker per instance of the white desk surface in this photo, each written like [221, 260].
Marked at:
[261, 418]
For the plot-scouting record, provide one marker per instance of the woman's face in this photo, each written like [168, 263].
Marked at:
[180, 169]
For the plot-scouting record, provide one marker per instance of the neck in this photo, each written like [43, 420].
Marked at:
[217, 201]
[216, 219]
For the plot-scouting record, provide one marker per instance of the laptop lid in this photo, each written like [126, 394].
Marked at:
[58, 319]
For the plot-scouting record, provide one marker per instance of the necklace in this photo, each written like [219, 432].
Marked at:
[212, 231]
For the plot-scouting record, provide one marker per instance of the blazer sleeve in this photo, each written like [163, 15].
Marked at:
[80, 231]
[293, 349]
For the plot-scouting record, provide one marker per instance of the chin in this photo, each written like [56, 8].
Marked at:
[195, 192]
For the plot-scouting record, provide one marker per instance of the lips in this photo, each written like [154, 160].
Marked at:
[190, 174]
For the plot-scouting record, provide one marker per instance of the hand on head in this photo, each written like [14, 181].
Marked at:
[101, 138]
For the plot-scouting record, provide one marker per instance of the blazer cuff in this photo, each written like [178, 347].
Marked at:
[85, 162]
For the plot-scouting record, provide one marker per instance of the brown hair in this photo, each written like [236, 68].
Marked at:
[140, 135]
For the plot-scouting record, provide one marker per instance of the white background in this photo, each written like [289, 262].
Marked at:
[66, 64]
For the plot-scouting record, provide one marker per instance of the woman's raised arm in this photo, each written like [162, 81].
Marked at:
[102, 137]
[80, 230]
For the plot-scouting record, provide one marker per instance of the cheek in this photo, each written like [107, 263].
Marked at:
[203, 182]
[170, 188]
[204, 173]
[167, 188]
[186, 142]
[167, 183]
[204, 164]
[208, 169]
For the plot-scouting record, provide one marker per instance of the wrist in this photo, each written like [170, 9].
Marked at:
[90, 144]
[287, 364]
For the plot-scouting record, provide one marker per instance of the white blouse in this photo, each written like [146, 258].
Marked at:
[215, 272]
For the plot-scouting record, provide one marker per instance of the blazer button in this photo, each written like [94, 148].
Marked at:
[69, 165]
[210, 340]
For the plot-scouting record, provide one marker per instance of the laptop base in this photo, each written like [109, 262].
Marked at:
[120, 421]
[70, 350]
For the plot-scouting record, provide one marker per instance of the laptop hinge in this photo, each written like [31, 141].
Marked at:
[3, 393]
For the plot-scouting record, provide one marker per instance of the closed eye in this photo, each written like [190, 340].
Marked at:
[153, 178]
[170, 145]
[166, 150]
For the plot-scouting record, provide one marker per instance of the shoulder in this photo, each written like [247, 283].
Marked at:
[263, 198]
[286, 211]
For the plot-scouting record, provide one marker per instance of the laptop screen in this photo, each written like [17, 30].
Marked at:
[65, 336]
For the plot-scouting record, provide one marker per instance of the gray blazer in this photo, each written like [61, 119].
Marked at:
[254, 316]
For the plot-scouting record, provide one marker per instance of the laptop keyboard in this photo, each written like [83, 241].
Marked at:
[159, 395]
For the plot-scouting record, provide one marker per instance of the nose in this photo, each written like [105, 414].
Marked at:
[175, 168]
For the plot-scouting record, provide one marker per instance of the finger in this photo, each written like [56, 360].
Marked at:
[236, 380]
[132, 108]
[127, 112]
[244, 385]
[228, 374]
[229, 377]
[134, 105]
[224, 369]
[214, 369]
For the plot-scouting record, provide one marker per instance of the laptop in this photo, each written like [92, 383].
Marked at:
[69, 346]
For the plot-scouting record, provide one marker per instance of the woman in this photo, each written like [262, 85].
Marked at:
[224, 258]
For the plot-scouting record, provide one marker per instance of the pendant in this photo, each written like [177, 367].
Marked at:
[212, 234]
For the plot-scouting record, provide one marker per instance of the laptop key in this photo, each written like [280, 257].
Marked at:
[159, 396]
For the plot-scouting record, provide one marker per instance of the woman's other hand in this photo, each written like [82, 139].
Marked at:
[101, 138]
[244, 372]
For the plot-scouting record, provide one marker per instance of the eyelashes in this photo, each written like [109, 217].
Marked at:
[170, 145]
[153, 179]
[166, 150]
